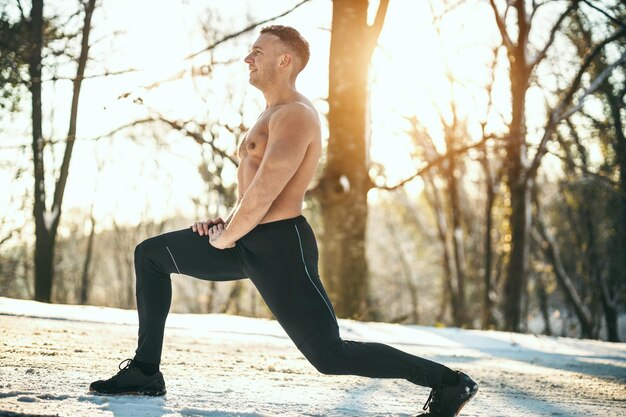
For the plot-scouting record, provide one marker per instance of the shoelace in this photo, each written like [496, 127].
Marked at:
[125, 367]
[432, 400]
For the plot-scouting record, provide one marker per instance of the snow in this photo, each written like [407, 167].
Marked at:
[345, 183]
[220, 365]
[49, 217]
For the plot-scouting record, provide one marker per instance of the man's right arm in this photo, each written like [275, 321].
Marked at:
[232, 212]
[239, 197]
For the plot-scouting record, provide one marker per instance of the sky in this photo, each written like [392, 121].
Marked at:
[408, 77]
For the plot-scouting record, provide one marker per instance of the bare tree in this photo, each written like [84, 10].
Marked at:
[86, 275]
[344, 183]
[444, 193]
[408, 275]
[47, 221]
[606, 265]
[521, 169]
[553, 254]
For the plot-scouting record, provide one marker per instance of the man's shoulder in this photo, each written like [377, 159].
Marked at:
[295, 112]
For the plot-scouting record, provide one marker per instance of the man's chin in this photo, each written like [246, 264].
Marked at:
[253, 82]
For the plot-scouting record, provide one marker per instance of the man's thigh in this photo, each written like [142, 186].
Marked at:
[193, 255]
[296, 300]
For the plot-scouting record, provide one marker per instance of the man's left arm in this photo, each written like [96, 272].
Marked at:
[290, 133]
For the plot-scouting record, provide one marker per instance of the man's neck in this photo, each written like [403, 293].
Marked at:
[280, 95]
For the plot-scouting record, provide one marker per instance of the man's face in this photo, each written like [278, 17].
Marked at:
[263, 60]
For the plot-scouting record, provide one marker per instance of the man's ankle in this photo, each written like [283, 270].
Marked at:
[147, 368]
[450, 377]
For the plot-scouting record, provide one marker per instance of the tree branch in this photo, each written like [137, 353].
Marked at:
[600, 179]
[588, 60]
[244, 30]
[547, 242]
[21, 9]
[523, 26]
[536, 7]
[559, 113]
[377, 26]
[605, 13]
[126, 126]
[197, 137]
[595, 85]
[59, 190]
[203, 70]
[435, 162]
[502, 27]
[106, 135]
[579, 145]
[8, 236]
[542, 54]
[87, 77]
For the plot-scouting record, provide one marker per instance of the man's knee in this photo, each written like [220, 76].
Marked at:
[324, 364]
[139, 252]
[149, 252]
[323, 356]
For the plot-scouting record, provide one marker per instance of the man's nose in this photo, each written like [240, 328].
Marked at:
[248, 59]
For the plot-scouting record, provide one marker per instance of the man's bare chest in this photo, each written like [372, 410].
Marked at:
[255, 141]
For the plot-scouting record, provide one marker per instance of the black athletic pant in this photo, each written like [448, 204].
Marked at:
[281, 260]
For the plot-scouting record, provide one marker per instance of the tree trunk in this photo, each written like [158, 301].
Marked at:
[610, 310]
[46, 223]
[591, 252]
[343, 187]
[488, 320]
[543, 304]
[446, 263]
[59, 190]
[85, 281]
[614, 100]
[460, 316]
[44, 250]
[124, 264]
[519, 185]
[210, 302]
[552, 253]
[231, 306]
[407, 273]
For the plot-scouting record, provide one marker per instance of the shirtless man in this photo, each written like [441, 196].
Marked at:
[266, 238]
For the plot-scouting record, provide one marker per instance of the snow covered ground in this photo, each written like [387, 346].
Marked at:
[218, 365]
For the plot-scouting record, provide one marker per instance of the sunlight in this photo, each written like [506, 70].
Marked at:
[180, 98]
[409, 78]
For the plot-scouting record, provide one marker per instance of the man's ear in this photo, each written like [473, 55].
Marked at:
[285, 60]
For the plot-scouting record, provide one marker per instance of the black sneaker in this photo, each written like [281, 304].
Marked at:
[447, 401]
[130, 380]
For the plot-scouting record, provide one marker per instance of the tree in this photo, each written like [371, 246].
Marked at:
[443, 189]
[14, 41]
[47, 220]
[602, 226]
[522, 165]
[344, 183]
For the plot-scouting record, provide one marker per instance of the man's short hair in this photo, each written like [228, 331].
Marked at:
[294, 41]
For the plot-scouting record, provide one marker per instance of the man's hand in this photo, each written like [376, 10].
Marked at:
[213, 229]
[202, 228]
[215, 237]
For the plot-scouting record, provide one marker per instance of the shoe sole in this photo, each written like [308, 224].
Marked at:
[134, 393]
[458, 412]
[147, 391]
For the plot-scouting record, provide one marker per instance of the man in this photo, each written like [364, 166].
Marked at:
[266, 238]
